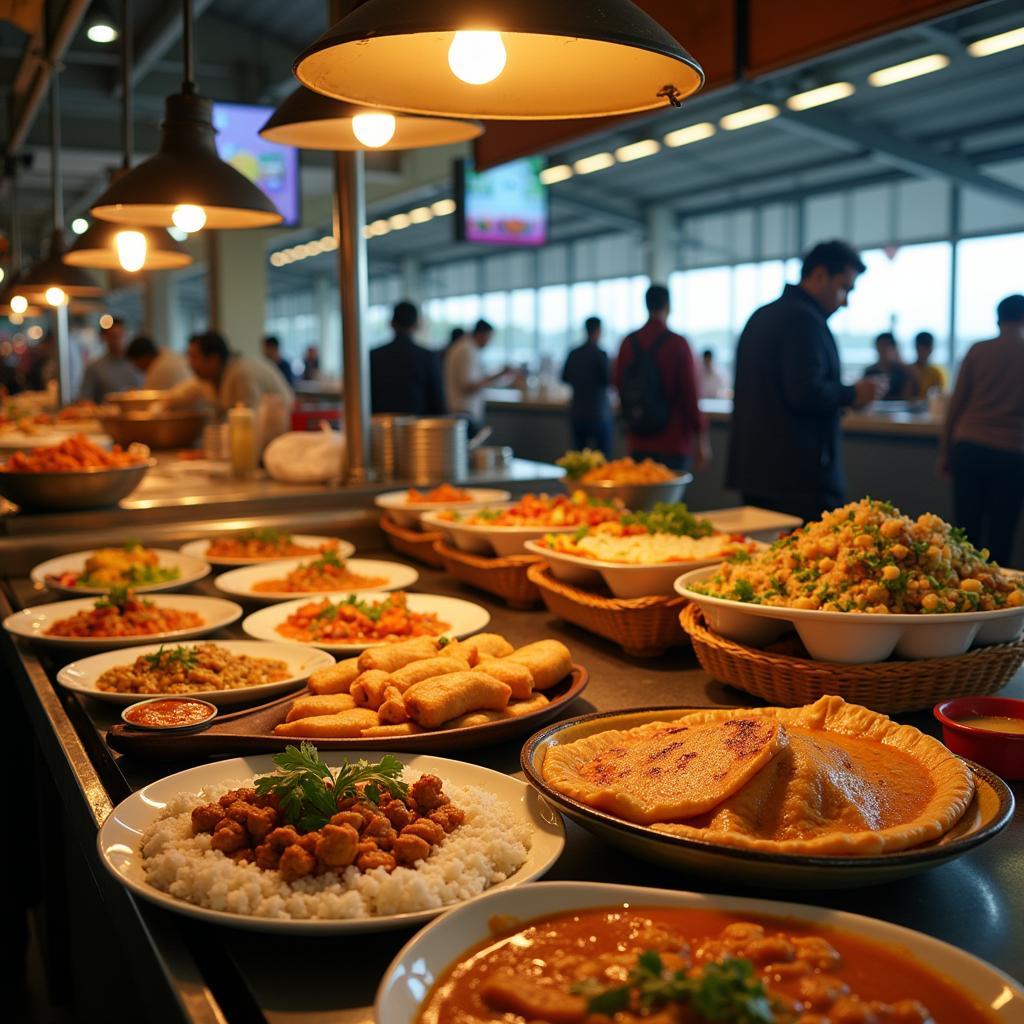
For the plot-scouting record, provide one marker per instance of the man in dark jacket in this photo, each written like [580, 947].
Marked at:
[586, 371]
[405, 378]
[784, 450]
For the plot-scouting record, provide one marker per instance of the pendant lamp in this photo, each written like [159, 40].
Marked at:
[501, 59]
[108, 246]
[308, 120]
[186, 184]
[51, 280]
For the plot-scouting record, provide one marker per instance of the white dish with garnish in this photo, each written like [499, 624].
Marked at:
[381, 575]
[55, 573]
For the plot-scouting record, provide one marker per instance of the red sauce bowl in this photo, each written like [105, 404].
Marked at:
[170, 714]
[1002, 752]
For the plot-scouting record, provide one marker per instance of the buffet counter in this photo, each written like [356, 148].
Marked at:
[133, 962]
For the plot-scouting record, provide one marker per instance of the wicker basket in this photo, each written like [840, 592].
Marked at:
[784, 674]
[415, 544]
[642, 626]
[504, 577]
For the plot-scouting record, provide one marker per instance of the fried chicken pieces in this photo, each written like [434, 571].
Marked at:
[397, 832]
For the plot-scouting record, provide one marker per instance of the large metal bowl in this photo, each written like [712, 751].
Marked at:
[133, 401]
[74, 491]
[637, 497]
[157, 430]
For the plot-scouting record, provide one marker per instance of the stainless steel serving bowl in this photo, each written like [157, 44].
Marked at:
[133, 401]
[74, 491]
[157, 430]
[636, 497]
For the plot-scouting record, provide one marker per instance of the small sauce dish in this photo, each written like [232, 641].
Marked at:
[170, 714]
[989, 730]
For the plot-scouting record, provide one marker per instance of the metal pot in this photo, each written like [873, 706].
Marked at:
[431, 449]
[384, 444]
[159, 430]
[491, 458]
[133, 401]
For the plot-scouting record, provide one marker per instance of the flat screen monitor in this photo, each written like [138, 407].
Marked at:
[274, 168]
[506, 205]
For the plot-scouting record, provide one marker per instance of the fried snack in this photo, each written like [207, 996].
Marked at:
[343, 725]
[437, 700]
[336, 678]
[392, 710]
[472, 718]
[549, 662]
[517, 676]
[404, 729]
[322, 704]
[483, 645]
[395, 656]
[524, 707]
[417, 671]
[368, 689]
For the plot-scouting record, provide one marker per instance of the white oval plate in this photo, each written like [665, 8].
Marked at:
[81, 676]
[437, 947]
[198, 549]
[118, 839]
[463, 618]
[623, 579]
[240, 582]
[32, 623]
[490, 540]
[854, 639]
[190, 570]
[407, 514]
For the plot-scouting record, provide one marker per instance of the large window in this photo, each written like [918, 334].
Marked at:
[988, 269]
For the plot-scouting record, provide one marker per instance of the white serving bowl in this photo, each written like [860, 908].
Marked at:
[407, 514]
[854, 638]
[490, 540]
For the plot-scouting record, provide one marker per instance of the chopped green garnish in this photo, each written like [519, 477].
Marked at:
[743, 590]
[665, 517]
[576, 464]
[185, 657]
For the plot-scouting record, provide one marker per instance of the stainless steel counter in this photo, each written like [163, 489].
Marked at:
[139, 963]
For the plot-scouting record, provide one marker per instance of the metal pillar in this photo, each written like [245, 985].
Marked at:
[349, 218]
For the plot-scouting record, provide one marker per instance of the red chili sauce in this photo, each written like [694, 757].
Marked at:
[169, 714]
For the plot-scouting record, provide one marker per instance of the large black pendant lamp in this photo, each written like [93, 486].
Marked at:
[186, 184]
[309, 120]
[51, 280]
[109, 246]
[501, 59]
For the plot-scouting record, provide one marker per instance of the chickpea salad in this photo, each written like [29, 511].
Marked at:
[868, 557]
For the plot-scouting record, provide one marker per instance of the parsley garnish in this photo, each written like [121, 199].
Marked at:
[185, 657]
[665, 517]
[118, 597]
[743, 590]
[309, 791]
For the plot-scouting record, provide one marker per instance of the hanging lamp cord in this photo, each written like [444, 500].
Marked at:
[127, 119]
[55, 168]
[188, 42]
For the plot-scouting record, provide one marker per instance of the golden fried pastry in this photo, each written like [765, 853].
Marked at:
[483, 645]
[524, 707]
[390, 657]
[435, 701]
[392, 710]
[517, 676]
[335, 678]
[338, 726]
[403, 729]
[417, 671]
[549, 662]
[320, 704]
[368, 689]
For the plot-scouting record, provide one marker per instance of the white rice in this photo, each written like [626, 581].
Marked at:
[487, 848]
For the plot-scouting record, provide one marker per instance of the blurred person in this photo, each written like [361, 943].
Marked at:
[784, 447]
[927, 376]
[405, 377]
[311, 363]
[162, 368]
[890, 365]
[464, 377]
[272, 351]
[982, 444]
[111, 371]
[456, 335]
[656, 378]
[586, 371]
[712, 384]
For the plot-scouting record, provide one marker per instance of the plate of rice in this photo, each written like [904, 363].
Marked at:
[155, 845]
[864, 583]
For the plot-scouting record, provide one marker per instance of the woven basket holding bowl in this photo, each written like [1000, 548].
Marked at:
[504, 577]
[415, 544]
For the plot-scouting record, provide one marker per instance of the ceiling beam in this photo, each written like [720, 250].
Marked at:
[569, 197]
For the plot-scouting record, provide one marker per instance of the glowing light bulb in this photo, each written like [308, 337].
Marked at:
[18, 304]
[2, 274]
[17, 319]
[131, 250]
[189, 218]
[477, 57]
[374, 130]
[55, 296]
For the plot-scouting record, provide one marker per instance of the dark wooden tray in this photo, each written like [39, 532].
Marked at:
[252, 731]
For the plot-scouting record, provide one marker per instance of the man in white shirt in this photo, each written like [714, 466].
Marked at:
[162, 368]
[710, 382]
[464, 377]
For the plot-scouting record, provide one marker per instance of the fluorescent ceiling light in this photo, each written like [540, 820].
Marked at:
[637, 150]
[79, 225]
[996, 44]
[380, 227]
[749, 116]
[691, 133]
[101, 32]
[909, 69]
[820, 96]
[421, 215]
[399, 221]
[597, 162]
[443, 207]
[277, 259]
[553, 175]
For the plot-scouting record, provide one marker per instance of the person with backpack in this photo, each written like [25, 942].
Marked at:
[656, 379]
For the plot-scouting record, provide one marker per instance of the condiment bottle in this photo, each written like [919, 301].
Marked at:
[242, 432]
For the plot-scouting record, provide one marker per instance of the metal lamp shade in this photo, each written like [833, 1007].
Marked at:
[186, 170]
[97, 248]
[309, 120]
[53, 272]
[565, 59]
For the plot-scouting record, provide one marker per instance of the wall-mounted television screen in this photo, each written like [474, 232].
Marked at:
[274, 168]
[506, 205]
